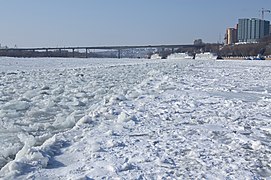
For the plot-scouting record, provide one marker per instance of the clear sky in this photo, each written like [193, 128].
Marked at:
[44, 23]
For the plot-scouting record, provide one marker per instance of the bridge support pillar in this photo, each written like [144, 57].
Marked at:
[86, 52]
[46, 54]
[119, 53]
[73, 52]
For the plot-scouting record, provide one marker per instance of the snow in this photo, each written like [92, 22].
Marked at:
[134, 119]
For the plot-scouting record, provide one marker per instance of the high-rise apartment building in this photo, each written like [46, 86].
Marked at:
[231, 36]
[251, 30]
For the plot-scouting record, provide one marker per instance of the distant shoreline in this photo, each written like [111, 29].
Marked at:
[240, 58]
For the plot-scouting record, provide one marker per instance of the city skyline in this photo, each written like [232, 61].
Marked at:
[101, 22]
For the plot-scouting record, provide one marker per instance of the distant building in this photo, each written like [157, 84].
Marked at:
[251, 30]
[231, 36]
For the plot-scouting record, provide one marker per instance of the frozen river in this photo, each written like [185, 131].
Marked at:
[134, 119]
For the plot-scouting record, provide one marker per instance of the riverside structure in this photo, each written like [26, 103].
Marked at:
[251, 30]
[6, 51]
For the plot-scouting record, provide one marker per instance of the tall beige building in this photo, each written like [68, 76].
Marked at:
[231, 36]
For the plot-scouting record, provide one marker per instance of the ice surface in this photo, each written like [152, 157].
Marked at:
[134, 119]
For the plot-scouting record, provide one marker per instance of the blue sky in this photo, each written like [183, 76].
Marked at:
[43, 23]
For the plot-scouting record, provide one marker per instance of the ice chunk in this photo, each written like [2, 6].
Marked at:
[16, 105]
[256, 145]
[28, 141]
[85, 120]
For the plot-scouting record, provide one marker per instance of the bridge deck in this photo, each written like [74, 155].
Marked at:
[103, 47]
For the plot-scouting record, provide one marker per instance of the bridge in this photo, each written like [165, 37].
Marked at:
[87, 48]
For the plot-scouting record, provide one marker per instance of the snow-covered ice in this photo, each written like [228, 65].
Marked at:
[134, 119]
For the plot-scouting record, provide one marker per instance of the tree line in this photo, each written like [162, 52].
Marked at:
[263, 47]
